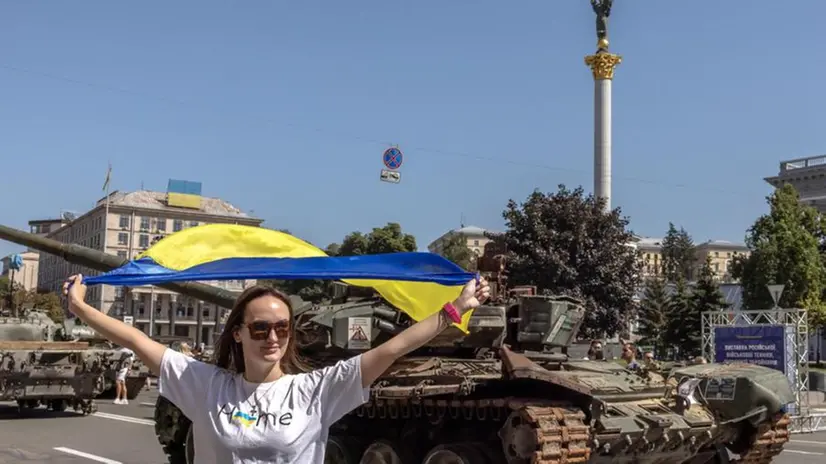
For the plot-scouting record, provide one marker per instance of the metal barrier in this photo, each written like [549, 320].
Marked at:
[809, 423]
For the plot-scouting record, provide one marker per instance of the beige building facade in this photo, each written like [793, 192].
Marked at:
[134, 221]
[476, 240]
[26, 276]
[721, 252]
[807, 176]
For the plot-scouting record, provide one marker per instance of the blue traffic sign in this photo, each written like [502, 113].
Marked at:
[393, 158]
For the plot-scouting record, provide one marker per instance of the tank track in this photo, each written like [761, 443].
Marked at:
[534, 431]
[770, 438]
[171, 427]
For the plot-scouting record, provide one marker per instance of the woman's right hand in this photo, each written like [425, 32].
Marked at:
[74, 290]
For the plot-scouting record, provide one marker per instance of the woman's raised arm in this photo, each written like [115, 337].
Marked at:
[380, 358]
[148, 350]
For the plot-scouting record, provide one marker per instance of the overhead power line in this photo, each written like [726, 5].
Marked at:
[408, 147]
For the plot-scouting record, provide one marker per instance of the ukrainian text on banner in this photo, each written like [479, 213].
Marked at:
[764, 345]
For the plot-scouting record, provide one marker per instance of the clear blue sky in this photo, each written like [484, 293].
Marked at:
[284, 108]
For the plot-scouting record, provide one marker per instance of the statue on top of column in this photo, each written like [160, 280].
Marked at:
[603, 10]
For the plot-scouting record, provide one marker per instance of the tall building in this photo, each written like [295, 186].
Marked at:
[128, 226]
[721, 253]
[807, 176]
[475, 236]
[26, 277]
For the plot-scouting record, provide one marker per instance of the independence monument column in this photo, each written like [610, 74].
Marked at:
[602, 66]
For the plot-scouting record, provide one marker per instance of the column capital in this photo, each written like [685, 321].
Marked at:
[602, 65]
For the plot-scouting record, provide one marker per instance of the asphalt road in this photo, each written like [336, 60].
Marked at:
[124, 435]
[116, 434]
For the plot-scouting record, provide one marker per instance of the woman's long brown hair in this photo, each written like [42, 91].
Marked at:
[229, 354]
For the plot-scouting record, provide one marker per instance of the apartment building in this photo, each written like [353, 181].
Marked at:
[128, 226]
[721, 253]
[475, 236]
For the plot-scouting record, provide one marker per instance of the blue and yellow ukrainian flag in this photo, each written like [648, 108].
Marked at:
[417, 283]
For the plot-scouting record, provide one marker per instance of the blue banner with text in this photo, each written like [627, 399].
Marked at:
[764, 345]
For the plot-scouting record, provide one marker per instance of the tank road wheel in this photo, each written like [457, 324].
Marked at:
[545, 434]
[386, 452]
[455, 453]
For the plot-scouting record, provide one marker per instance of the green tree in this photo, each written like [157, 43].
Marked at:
[5, 289]
[455, 249]
[678, 332]
[332, 249]
[49, 302]
[314, 290]
[354, 244]
[653, 315]
[678, 254]
[784, 248]
[705, 296]
[387, 239]
[567, 243]
[12, 294]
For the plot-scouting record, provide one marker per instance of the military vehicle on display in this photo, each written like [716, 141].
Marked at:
[506, 392]
[48, 364]
[136, 375]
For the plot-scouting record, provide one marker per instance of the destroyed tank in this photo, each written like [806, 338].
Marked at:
[506, 392]
[136, 374]
[41, 366]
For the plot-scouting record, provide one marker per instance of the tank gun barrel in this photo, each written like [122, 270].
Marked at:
[101, 261]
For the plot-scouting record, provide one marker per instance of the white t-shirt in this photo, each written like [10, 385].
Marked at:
[282, 422]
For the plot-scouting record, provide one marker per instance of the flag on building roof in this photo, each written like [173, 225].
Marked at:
[417, 283]
[108, 177]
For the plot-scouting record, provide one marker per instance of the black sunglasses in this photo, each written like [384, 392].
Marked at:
[260, 330]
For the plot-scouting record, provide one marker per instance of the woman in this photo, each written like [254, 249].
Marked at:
[256, 404]
[121, 392]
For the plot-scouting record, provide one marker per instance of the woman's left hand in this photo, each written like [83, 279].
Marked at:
[473, 295]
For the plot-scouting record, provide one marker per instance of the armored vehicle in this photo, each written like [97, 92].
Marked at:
[136, 374]
[506, 392]
[43, 365]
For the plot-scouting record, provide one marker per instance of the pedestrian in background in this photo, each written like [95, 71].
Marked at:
[121, 392]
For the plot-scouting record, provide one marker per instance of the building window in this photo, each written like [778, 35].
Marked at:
[143, 241]
[193, 223]
[476, 243]
[124, 220]
[162, 224]
[123, 238]
[122, 254]
[177, 225]
[144, 223]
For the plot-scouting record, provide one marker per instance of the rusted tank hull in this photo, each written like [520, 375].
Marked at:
[502, 411]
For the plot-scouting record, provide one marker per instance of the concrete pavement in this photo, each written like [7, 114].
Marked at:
[125, 435]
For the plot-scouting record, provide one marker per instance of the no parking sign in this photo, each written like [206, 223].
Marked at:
[392, 159]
